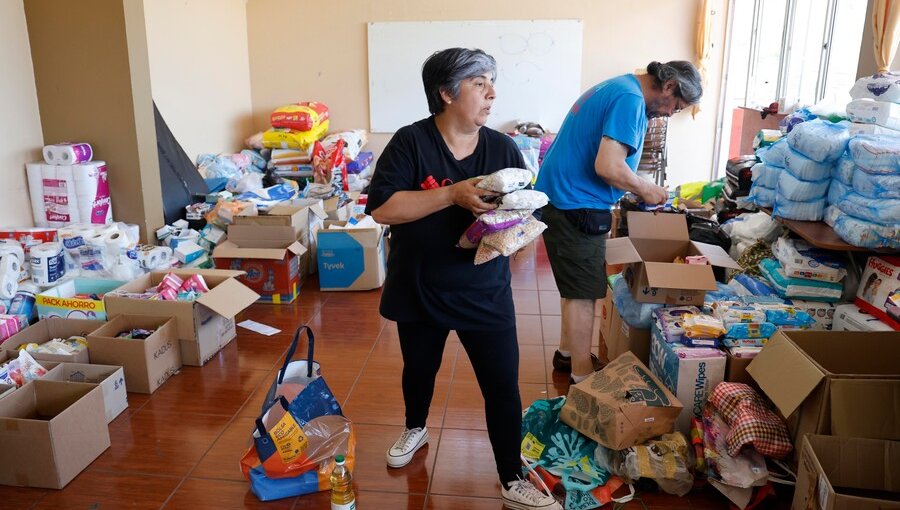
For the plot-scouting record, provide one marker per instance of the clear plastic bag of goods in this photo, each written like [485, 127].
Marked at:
[765, 175]
[870, 111]
[761, 196]
[799, 190]
[488, 223]
[877, 185]
[843, 170]
[666, 460]
[636, 315]
[804, 168]
[832, 213]
[800, 260]
[812, 210]
[506, 180]
[876, 154]
[508, 241]
[819, 140]
[881, 86]
[774, 154]
[799, 288]
[884, 211]
[523, 199]
[752, 227]
[867, 234]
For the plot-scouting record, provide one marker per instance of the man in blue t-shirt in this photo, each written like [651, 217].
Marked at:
[590, 165]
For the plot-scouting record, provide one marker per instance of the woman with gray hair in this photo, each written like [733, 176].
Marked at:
[424, 187]
[590, 165]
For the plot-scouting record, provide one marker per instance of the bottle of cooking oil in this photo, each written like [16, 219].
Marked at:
[342, 497]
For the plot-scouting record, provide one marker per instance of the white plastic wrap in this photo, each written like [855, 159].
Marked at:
[843, 170]
[876, 154]
[813, 210]
[795, 189]
[881, 86]
[524, 199]
[870, 111]
[884, 211]
[507, 180]
[819, 140]
[804, 168]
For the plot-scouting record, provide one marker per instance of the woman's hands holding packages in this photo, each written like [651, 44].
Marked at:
[466, 195]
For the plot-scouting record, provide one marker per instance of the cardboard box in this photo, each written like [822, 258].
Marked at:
[204, 326]
[621, 405]
[336, 213]
[49, 432]
[828, 382]
[317, 217]
[147, 363]
[654, 241]
[351, 259]
[736, 369]
[48, 329]
[624, 338]
[60, 301]
[603, 310]
[690, 379]
[6, 390]
[268, 257]
[111, 380]
[879, 289]
[849, 317]
[846, 473]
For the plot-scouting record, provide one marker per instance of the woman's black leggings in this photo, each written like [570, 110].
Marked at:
[495, 359]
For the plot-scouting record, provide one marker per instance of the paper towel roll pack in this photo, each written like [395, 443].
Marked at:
[66, 194]
[68, 153]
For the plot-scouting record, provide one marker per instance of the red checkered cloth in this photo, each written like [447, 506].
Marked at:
[751, 420]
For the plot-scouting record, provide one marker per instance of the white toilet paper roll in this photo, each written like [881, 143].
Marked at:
[36, 192]
[154, 257]
[68, 153]
[9, 276]
[117, 241]
[47, 263]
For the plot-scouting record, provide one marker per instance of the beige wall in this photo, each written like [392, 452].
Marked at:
[867, 65]
[93, 84]
[20, 123]
[200, 71]
[328, 62]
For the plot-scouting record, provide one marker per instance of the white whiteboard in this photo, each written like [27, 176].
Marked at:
[538, 68]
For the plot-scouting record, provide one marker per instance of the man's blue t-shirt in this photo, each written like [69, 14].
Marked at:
[614, 108]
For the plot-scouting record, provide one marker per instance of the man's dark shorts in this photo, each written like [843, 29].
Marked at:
[578, 260]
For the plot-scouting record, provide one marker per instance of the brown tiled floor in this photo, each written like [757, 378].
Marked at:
[179, 448]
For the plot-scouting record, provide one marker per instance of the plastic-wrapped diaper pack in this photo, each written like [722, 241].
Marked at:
[761, 196]
[884, 211]
[800, 260]
[671, 322]
[870, 111]
[821, 313]
[804, 168]
[801, 191]
[765, 175]
[837, 191]
[843, 170]
[832, 213]
[880, 86]
[867, 234]
[798, 287]
[774, 155]
[819, 140]
[877, 185]
[876, 154]
[812, 210]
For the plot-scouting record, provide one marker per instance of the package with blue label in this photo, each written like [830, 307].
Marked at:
[800, 260]
[798, 287]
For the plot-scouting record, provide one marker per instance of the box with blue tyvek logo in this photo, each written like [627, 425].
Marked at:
[351, 257]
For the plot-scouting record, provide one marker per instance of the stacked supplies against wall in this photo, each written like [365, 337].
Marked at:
[864, 198]
[68, 187]
[814, 147]
[511, 226]
[765, 174]
[296, 126]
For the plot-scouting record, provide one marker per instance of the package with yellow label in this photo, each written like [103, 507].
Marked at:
[304, 116]
[284, 138]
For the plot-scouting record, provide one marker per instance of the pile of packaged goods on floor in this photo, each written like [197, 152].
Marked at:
[510, 227]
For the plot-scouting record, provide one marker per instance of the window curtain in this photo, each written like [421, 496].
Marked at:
[703, 44]
[886, 28]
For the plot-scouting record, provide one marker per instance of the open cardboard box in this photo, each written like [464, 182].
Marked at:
[204, 326]
[317, 217]
[848, 473]
[110, 378]
[49, 432]
[48, 329]
[60, 301]
[351, 259]
[269, 258]
[833, 382]
[654, 241]
[147, 363]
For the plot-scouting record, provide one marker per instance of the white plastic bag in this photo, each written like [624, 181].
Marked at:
[795, 189]
[507, 180]
[524, 199]
[881, 86]
[819, 140]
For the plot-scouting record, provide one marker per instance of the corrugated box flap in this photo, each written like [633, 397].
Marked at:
[865, 408]
[784, 373]
[228, 298]
[621, 251]
[680, 276]
[225, 273]
[646, 225]
[716, 255]
[268, 236]
[230, 250]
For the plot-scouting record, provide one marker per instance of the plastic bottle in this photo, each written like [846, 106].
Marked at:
[342, 497]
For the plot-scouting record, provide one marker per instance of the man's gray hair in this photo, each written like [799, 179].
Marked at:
[444, 70]
[683, 73]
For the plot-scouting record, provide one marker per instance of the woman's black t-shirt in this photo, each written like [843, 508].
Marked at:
[429, 279]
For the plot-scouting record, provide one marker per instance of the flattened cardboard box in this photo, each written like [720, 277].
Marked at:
[621, 405]
[147, 363]
[111, 379]
[654, 241]
[197, 322]
[844, 473]
[49, 432]
[269, 257]
[839, 383]
[54, 327]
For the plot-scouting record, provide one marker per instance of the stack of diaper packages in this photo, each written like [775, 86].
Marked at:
[765, 174]
[510, 227]
[813, 149]
[799, 271]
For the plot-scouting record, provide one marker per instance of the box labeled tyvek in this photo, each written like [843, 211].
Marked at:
[351, 258]
[690, 375]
